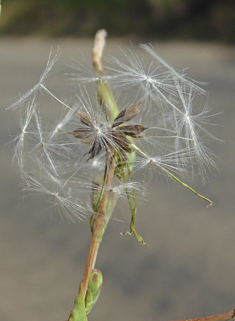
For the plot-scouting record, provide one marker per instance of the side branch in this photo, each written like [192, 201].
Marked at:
[219, 317]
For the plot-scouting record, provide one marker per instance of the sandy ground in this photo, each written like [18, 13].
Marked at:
[189, 268]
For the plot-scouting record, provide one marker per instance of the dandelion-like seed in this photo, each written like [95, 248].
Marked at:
[108, 136]
[92, 152]
[41, 83]
[159, 131]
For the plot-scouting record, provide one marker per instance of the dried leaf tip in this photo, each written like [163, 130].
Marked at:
[98, 48]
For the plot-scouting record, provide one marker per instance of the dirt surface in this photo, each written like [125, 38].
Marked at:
[189, 268]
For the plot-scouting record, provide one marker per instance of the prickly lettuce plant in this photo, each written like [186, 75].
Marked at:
[127, 121]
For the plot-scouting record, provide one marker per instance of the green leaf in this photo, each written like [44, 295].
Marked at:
[79, 312]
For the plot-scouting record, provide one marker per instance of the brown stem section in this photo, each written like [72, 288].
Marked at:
[97, 228]
[219, 317]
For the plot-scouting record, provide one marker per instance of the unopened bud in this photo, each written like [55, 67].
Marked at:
[93, 290]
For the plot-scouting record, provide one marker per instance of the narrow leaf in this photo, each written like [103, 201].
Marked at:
[80, 132]
[132, 130]
[85, 118]
[131, 112]
[185, 185]
[119, 119]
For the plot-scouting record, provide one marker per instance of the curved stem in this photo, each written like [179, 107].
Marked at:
[219, 317]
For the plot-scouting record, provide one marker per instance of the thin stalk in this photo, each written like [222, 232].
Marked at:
[175, 177]
[219, 317]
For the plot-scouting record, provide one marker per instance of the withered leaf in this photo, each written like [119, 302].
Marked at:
[132, 130]
[80, 132]
[119, 119]
[88, 141]
[85, 118]
[121, 141]
[111, 138]
[131, 112]
[126, 115]
[95, 148]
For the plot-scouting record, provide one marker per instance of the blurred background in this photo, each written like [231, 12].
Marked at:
[164, 19]
[189, 268]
